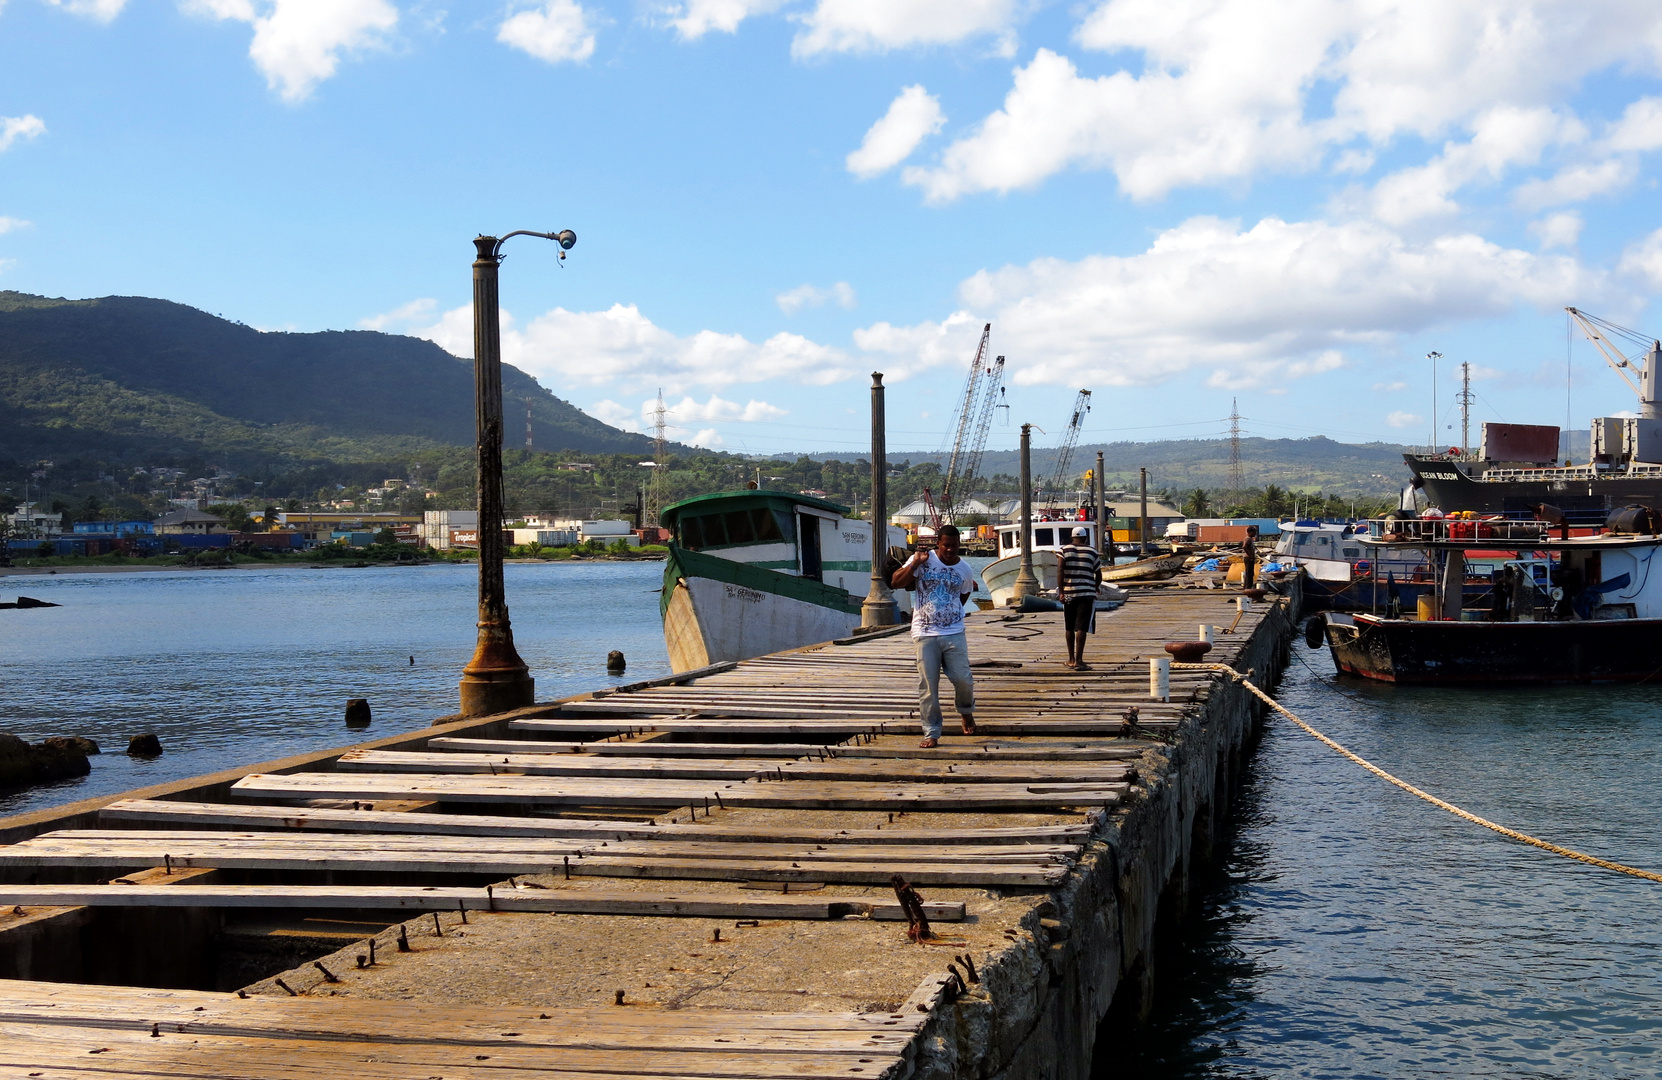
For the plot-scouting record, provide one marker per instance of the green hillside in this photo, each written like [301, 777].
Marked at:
[128, 381]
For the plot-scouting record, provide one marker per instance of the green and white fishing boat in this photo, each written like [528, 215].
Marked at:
[754, 572]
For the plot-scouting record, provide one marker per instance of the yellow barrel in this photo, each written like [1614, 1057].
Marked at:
[1428, 606]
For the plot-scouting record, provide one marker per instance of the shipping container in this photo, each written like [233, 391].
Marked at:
[1535, 444]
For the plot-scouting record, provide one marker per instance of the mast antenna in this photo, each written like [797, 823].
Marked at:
[654, 489]
[1465, 400]
[1236, 484]
[527, 423]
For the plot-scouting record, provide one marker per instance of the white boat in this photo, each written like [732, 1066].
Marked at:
[755, 572]
[1048, 539]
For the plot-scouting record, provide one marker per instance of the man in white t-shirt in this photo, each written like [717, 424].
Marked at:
[941, 582]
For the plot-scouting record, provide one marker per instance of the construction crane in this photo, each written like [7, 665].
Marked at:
[963, 422]
[1649, 370]
[1064, 454]
[992, 399]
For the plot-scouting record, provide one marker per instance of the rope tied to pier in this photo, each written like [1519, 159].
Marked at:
[1524, 838]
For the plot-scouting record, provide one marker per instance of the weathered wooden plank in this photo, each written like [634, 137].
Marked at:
[175, 1053]
[1153, 715]
[862, 770]
[969, 752]
[390, 823]
[182, 842]
[571, 901]
[669, 794]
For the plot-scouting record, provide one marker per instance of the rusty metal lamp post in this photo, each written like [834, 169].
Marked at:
[1027, 583]
[878, 609]
[496, 679]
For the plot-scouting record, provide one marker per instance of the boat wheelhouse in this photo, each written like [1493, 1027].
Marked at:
[754, 572]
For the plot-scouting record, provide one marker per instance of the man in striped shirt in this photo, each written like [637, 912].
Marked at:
[1077, 581]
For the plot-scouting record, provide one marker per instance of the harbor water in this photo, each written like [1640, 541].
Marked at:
[1348, 930]
[230, 667]
[1352, 930]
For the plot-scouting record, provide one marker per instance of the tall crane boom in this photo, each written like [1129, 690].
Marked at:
[1070, 439]
[964, 421]
[1648, 371]
[992, 393]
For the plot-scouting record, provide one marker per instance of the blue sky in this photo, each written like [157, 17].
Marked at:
[1174, 203]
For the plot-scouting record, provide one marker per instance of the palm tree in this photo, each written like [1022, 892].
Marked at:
[1197, 504]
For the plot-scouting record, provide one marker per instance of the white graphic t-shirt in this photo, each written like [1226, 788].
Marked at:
[937, 607]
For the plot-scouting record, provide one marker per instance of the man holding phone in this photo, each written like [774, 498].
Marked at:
[941, 583]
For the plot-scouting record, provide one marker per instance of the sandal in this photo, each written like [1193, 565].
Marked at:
[929, 744]
[969, 724]
[1081, 666]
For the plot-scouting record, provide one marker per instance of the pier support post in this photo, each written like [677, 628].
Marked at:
[496, 679]
[1027, 584]
[878, 609]
[1142, 519]
[1104, 536]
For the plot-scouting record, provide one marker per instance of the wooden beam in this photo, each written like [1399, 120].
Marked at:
[435, 898]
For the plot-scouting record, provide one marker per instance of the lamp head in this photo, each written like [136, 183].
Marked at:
[566, 239]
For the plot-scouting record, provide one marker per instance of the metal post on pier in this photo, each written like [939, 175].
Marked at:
[1142, 520]
[878, 609]
[496, 679]
[1026, 583]
[1104, 537]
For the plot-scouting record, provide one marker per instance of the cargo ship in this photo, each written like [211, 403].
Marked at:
[1517, 466]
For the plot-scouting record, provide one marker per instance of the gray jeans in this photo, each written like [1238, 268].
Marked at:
[937, 654]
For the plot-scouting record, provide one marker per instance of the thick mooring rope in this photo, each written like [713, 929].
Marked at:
[1514, 834]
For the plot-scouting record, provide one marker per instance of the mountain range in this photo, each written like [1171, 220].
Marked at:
[128, 379]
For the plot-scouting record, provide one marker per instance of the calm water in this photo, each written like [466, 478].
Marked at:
[231, 667]
[1355, 931]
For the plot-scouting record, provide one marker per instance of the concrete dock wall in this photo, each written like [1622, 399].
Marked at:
[1082, 967]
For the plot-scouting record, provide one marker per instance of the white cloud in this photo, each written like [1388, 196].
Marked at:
[8, 224]
[558, 30]
[908, 350]
[812, 296]
[1213, 91]
[610, 412]
[1576, 183]
[13, 128]
[1557, 230]
[1279, 300]
[298, 43]
[880, 25]
[1640, 127]
[696, 18]
[623, 346]
[687, 410]
[415, 311]
[1643, 260]
[1401, 419]
[912, 117]
[1501, 138]
[1389, 387]
[100, 10]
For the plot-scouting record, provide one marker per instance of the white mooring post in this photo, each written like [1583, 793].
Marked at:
[1159, 678]
[1205, 633]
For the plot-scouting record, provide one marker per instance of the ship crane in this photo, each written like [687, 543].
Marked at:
[1070, 439]
[1648, 369]
[982, 393]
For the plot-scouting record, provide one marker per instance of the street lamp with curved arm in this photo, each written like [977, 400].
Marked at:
[496, 679]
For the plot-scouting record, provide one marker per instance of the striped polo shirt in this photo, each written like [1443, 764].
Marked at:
[1078, 574]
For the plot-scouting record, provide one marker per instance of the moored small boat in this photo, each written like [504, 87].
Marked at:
[1595, 614]
[754, 572]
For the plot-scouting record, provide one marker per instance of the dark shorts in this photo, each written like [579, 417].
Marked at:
[1079, 615]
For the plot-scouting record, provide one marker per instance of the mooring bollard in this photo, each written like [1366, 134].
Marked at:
[357, 712]
[615, 663]
[1159, 678]
[1205, 632]
[1242, 603]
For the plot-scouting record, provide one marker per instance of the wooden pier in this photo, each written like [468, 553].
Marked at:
[700, 877]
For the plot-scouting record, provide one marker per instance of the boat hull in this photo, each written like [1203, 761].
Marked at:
[1000, 576]
[1447, 652]
[716, 610]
